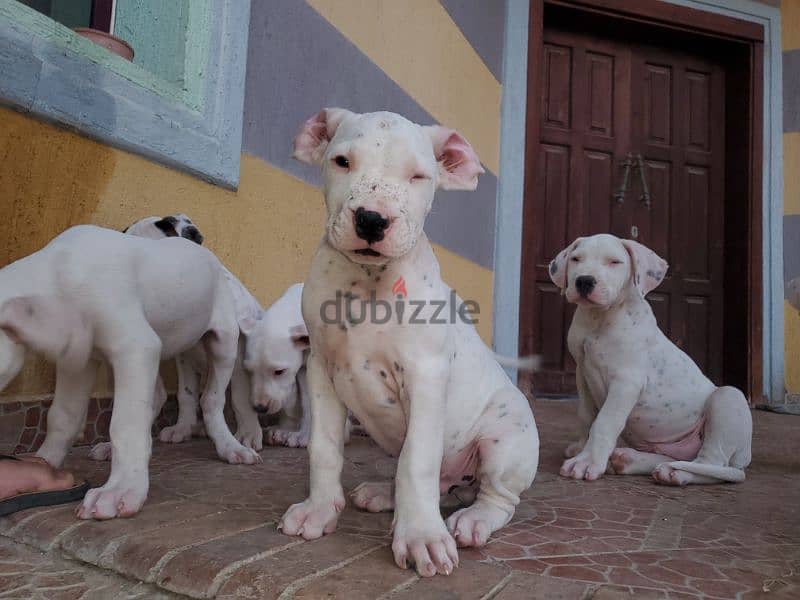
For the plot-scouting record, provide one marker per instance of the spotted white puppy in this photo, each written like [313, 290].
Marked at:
[427, 390]
[635, 384]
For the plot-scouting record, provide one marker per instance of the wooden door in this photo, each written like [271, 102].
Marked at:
[605, 104]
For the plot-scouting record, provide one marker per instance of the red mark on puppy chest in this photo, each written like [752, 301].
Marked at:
[399, 287]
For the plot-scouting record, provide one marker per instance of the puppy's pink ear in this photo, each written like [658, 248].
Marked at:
[49, 326]
[459, 165]
[648, 268]
[560, 264]
[300, 338]
[315, 134]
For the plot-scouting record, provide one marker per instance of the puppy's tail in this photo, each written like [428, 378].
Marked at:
[723, 473]
[529, 363]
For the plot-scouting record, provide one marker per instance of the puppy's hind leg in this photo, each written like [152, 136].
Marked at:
[508, 459]
[726, 449]
[67, 414]
[188, 388]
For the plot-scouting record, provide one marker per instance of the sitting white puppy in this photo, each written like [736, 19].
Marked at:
[635, 383]
[426, 388]
[87, 296]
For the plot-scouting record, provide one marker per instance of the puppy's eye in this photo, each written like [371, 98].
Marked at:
[615, 262]
[575, 259]
[342, 162]
[419, 177]
[279, 372]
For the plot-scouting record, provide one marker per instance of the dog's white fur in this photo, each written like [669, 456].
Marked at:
[274, 339]
[634, 383]
[89, 295]
[275, 359]
[434, 395]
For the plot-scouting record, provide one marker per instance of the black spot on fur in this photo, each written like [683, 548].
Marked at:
[167, 225]
[553, 267]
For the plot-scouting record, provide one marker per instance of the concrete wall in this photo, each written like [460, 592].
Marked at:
[303, 56]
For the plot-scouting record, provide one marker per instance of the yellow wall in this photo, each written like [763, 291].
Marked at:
[790, 39]
[51, 179]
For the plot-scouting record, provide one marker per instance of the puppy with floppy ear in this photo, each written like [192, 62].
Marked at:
[634, 383]
[433, 395]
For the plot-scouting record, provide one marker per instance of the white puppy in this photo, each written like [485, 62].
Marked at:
[635, 383]
[275, 360]
[87, 296]
[424, 387]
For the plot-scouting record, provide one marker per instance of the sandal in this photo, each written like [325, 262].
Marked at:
[25, 500]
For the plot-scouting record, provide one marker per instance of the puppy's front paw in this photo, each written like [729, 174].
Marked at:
[310, 519]
[109, 501]
[284, 437]
[426, 544]
[584, 466]
[251, 437]
[175, 434]
[239, 455]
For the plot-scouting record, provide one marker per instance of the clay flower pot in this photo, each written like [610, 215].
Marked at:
[107, 41]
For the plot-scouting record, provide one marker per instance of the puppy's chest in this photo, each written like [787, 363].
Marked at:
[369, 377]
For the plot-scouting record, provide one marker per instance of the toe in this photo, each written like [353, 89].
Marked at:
[438, 552]
[422, 560]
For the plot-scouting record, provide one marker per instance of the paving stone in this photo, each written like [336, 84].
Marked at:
[472, 579]
[364, 579]
[193, 570]
[95, 541]
[526, 586]
[269, 577]
[139, 553]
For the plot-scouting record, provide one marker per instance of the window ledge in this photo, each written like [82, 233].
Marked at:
[60, 77]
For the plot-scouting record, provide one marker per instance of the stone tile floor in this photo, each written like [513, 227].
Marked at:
[208, 530]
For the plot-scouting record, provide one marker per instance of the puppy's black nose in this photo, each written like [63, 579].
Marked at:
[370, 225]
[192, 233]
[585, 284]
[260, 409]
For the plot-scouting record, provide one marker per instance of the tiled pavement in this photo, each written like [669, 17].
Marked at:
[208, 530]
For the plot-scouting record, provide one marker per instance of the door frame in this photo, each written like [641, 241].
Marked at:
[742, 20]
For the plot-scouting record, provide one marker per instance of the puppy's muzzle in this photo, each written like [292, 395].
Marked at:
[585, 284]
[370, 225]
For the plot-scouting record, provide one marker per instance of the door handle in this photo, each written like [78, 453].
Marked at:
[645, 197]
[619, 195]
